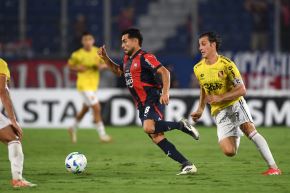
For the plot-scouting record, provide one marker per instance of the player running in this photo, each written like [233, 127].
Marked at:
[87, 63]
[140, 70]
[10, 131]
[222, 87]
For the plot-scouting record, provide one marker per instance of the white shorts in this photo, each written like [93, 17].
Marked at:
[90, 97]
[4, 121]
[228, 120]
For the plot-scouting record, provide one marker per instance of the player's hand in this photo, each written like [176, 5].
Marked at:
[164, 99]
[213, 99]
[103, 52]
[17, 129]
[81, 68]
[196, 115]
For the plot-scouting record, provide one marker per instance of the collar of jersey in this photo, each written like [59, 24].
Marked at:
[213, 63]
[131, 57]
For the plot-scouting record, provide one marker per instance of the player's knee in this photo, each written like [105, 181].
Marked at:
[230, 152]
[8, 138]
[148, 129]
[157, 138]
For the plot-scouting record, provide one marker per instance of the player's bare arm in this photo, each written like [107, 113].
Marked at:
[236, 92]
[102, 66]
[78, 68]
[165, 75]
[202, 101]
[7, 103]
[111, 65]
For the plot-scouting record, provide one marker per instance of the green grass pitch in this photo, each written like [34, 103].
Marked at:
[133, 164]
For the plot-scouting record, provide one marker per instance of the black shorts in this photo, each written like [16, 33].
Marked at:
[154, 111]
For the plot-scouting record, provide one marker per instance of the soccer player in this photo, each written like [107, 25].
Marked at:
[140, 70]
[222, 87]
[10, 131]
[86, 63]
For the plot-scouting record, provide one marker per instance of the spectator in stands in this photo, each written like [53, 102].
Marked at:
[260, 13]
[126, 18]
[285, 25]
[80, 27]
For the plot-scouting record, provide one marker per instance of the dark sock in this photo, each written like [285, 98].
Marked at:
[163, 126]
[170, 150]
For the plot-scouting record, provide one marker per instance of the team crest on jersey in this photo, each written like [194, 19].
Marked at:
[135, 65]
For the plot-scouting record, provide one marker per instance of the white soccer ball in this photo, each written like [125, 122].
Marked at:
[75, 162]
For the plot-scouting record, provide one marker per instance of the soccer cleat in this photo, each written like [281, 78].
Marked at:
[73, 135]
[189, 129]
[272, 171]
[22, 183]
[187, 169]
[106, 138]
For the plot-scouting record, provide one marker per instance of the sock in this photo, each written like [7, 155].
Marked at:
[16, 158]
[101, 128]
[170, 150]
[75, 125]
[263, 147]
[163, 126]
[238, 140]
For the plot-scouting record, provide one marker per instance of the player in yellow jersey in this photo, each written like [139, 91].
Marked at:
[87, 64]
[222, 87]
[10, 131]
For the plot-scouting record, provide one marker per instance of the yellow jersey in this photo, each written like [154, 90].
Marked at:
[87, 80]
[4, 69]
[218, 78]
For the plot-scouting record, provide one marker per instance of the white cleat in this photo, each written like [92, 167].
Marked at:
[189, 129]
[188, 170]
[106, 138]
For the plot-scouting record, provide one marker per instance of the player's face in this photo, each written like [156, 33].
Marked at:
[88, 41]
[129, 45]
[206, 48]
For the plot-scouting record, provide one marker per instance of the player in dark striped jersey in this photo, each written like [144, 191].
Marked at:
[140, 70]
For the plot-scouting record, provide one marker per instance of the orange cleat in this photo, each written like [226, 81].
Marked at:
[22, 183]
[272, 171]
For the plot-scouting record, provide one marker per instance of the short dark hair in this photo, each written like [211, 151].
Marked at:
[87, 34]
[213, 37]
[134, 33]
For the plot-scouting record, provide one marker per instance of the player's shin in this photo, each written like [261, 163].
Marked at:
[16, 158]
[263, 147]
[170, 150]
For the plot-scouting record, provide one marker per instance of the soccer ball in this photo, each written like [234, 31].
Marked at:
[75, 162]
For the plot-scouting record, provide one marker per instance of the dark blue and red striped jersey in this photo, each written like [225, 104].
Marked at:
[140, 75]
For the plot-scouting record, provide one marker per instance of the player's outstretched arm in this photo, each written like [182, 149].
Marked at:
[111, 65]
[165, 75]
[236, 92]
[202, 101]
[7, 103]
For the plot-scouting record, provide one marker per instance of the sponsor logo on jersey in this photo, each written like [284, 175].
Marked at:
[212, 86]
[129, 79]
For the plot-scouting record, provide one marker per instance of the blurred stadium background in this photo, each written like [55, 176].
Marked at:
[37, 37]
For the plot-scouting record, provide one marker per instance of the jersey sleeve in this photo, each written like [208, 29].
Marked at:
[4, 68]
[73, 59]
[233, 73]
[151, 62]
